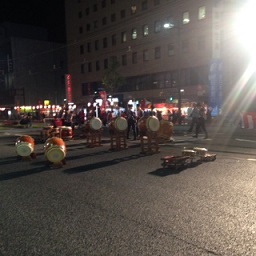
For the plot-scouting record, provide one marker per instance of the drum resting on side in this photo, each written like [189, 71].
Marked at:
[25, 146]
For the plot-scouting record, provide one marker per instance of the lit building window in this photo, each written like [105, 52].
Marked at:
[124, 37]
[134, 33]
[185, 19]
[145, 30]
[201, 13]
[133, 9]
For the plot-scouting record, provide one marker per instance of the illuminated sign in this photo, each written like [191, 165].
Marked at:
[68, 84]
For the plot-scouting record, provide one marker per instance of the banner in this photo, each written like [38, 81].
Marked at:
[68, 84]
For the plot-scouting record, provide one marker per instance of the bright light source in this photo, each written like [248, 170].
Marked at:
[244, 26]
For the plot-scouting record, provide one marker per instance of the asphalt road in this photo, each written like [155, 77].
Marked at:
[104, 202]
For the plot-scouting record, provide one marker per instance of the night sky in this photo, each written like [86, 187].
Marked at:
[49, 14]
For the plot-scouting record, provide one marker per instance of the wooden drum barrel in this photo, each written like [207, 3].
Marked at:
[55, 150]
[25, 145]
[118, 124]
[66, 132]
[166, 129]
[150, 124]
[95, 124]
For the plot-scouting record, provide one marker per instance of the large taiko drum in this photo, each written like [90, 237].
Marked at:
[118, 124]
[150, 124]
[66, 132]
[55, 150]
[95, 123]
[25, 145]
[166, 129]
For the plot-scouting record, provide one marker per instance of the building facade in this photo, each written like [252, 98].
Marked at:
[168, 50]
[32, 69]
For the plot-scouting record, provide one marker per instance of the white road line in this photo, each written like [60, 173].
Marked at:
[252, 141]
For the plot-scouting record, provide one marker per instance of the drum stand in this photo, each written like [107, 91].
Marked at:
[149, 144]
[118, 140]
[94, 138]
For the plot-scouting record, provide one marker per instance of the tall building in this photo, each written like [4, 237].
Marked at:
[32, 69]
[169, 51]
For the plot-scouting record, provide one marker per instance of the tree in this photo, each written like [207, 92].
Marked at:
[112, 79]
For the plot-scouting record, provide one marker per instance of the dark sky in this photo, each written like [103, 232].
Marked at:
[45, 13]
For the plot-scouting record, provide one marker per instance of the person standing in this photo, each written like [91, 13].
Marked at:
[201, 122]
[131, 119]
[194, 115]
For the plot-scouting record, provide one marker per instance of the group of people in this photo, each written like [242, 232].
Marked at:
[198, 116]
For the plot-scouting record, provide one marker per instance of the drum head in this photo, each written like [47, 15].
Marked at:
[153, 124]
[24, 149]
[95, 123]
[55, 154]
[121, 124]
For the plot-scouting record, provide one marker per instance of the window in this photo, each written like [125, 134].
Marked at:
[158, 52]
[96, 45]
[185, 45]
[95, 24]
[105, 42]
[82, 68]
[80, 15]
[122, 14]
[201, 43]
[97, 65]
[170, 22]
[145, 29]
[103, 3]
[158, 26]
[124, 60]
[170, 49]
[104, 21]
[95, 8]
[113, 17]
[185, 19]
[89, 67]
[156, 2]
[144, 5]
[113, 1]
[81, 49]
[201, 13]
[88, 27]
[114, 40]
[88, 47]
[81, 30]
[134, 33]
[145, 55]
[87, 11]
[133, 9]
[134, 58]
[105, 63]
[123, 37]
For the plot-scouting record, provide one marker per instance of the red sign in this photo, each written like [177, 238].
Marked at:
[68, 84]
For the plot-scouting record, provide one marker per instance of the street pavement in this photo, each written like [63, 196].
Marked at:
[106, 202]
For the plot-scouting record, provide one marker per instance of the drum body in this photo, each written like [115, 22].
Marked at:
[66, 132]
[166, 129]
[55, 150]
[25, 145]
[95, 124]
[200, 151]
[188, 152]
[150, 124]
[118, 124]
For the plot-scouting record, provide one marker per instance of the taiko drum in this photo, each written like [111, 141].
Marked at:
[25, 145]
[55, 150]
[66, 132]
[118, 124]
[150, 124]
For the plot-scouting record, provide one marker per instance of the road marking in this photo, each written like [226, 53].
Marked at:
[252, 141]
[251, 159]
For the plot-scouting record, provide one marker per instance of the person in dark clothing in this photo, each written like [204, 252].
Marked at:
[131, 119]
[201, 122]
